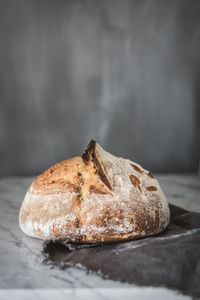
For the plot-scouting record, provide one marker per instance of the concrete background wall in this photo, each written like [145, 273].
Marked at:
[124, 72]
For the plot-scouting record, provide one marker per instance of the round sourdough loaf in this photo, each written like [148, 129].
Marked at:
[94, 198]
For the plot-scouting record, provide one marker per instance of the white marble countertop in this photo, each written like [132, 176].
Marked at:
[22, 274]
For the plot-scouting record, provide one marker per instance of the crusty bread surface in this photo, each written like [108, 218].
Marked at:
[97, 197]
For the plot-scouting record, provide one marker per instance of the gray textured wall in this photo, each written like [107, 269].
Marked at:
[126, 73]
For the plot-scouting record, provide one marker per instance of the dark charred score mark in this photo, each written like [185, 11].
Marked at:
[53, 181]
[90, 151]
[79, 174]
[151, 188]
[150, 175]
[135, 181]
[93, 189]
[51, 171]
[136, 168]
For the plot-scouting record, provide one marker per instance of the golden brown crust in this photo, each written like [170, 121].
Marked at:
[75, 199]
[115, 237]
[63, 176]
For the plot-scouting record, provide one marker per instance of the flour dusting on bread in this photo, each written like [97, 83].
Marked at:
[96, 197]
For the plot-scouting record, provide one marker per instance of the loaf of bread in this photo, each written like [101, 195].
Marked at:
[97, 197]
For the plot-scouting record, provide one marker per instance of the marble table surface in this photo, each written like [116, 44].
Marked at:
[23, 276]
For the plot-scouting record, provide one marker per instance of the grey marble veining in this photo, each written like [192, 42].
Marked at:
[21, 270]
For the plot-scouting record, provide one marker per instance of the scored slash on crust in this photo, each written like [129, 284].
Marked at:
[136, 168]
[63, 201]
[135, 181]
[90, 156]
[151, 188]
